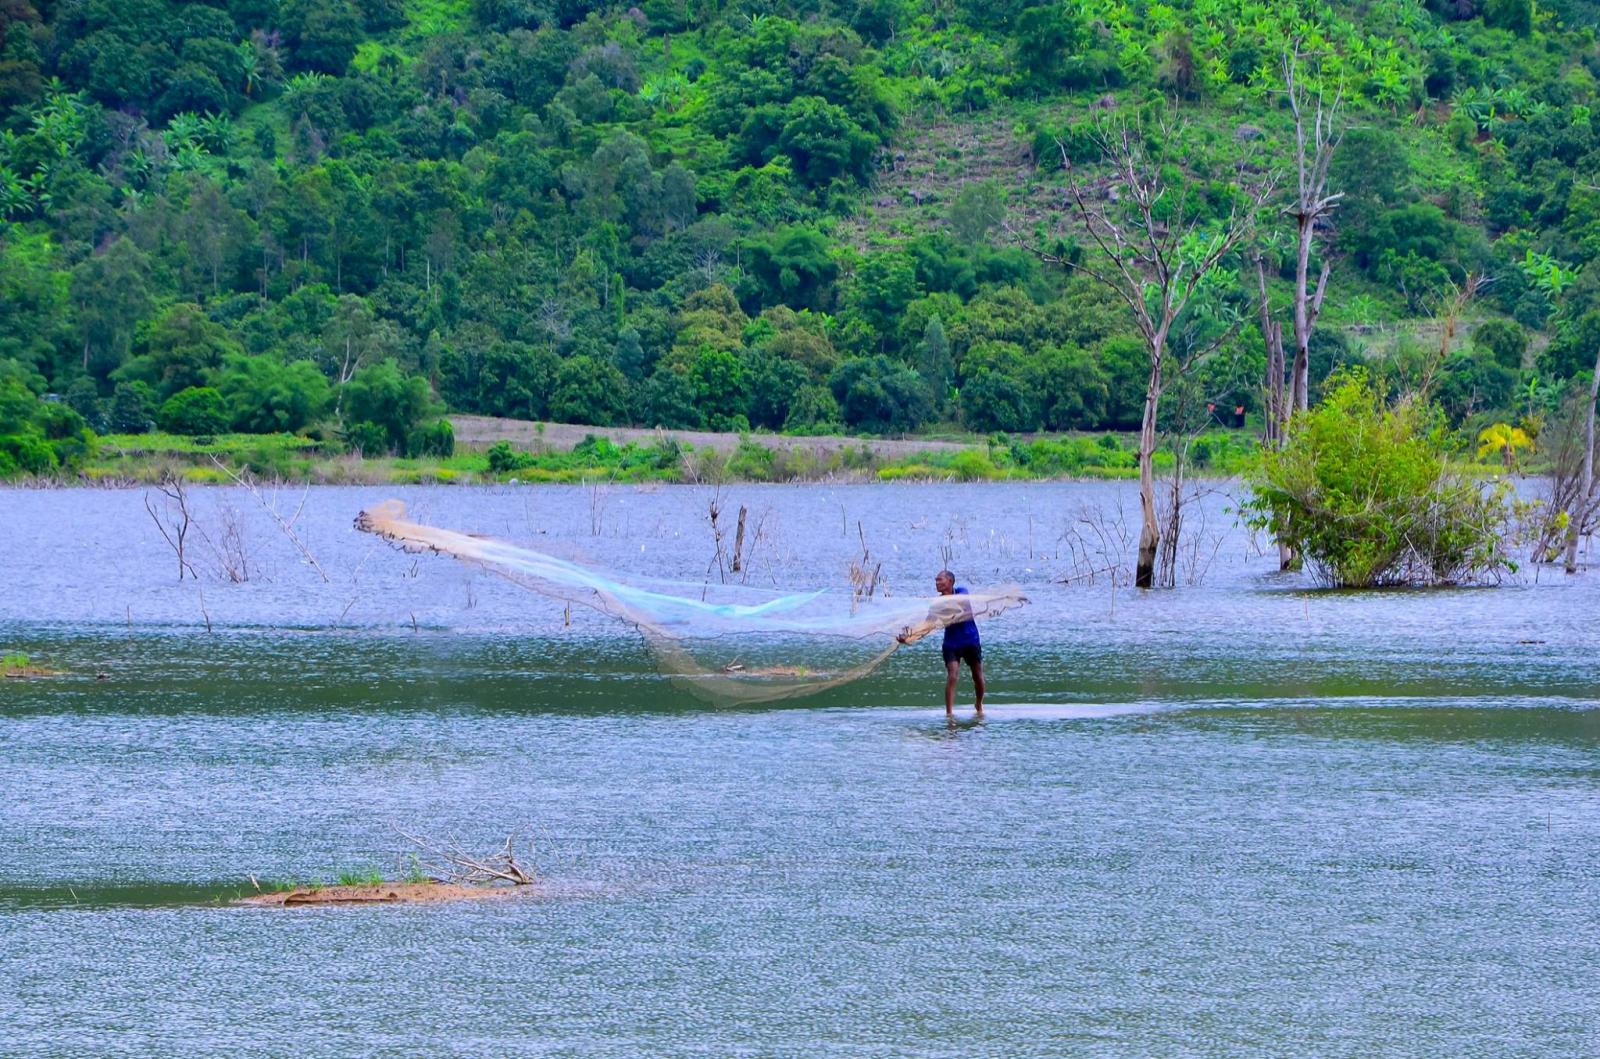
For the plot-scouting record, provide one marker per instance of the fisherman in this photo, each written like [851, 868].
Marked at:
[961, 643]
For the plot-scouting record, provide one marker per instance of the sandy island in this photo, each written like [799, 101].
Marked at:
[380, 893]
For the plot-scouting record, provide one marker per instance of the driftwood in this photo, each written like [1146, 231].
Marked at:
[453, 863]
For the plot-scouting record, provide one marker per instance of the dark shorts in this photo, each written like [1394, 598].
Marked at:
[972, 655]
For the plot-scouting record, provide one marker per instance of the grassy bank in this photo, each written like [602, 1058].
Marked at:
[141, 458]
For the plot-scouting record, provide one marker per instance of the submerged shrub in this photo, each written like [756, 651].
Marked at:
[1365, 495]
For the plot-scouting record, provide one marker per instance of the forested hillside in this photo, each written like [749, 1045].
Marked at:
[345, 216]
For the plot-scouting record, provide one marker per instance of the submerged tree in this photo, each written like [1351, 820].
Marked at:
[1581, 511]
[1155, 248]
[1311, 202]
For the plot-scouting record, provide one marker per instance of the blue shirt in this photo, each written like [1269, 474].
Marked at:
[961, 633]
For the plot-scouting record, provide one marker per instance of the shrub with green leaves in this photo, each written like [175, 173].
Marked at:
[1365, 494]
[380, 395]
[753, 461]
[28, 453]
[195, 410]
[39, 437]
[434, 439]
[130, 408]
[503, 458]
[266, 395]
[366, 438]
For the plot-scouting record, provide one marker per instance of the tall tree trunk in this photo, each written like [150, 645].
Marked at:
[1307, 305]
[1150, 531]
[1278, 398]
[1276, 413]
[1585, 502]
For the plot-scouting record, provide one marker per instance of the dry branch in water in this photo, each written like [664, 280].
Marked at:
[454, 864]
[271, 508]
[738, 542]
[865, 575]
[174, 520]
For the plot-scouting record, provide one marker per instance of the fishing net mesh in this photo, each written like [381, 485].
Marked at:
[743, 646]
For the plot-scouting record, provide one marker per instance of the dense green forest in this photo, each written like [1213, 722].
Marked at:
[343, 217]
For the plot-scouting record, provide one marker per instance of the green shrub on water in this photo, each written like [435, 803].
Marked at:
[1365, 494]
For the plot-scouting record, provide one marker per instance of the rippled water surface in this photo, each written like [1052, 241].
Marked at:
[1242, 817]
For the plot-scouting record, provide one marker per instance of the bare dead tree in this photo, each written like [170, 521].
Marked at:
[1277, 398]
[865, 575]
[1547, 517]
[229, 548]
[738, 541]
[1311, 202]
[1203, 545]
[1097, 544]
[1153, 252]
[719, 559]
[173, 520]
[271, 508]
[1189, 417]
[1313, 152]
[599, 496]
[1583, 511]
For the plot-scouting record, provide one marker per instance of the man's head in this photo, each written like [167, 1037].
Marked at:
[944, 582]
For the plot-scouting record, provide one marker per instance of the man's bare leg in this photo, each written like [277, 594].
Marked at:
[977, 684]
[952, 670]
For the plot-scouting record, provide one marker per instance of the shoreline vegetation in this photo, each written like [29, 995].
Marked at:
[506, 451]
[493, 451]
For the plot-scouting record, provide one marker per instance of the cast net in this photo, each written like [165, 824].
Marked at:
[729, 645]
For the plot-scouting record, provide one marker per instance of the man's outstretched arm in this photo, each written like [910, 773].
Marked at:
[942, 613]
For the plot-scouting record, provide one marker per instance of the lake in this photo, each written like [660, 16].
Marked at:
[1240, 817]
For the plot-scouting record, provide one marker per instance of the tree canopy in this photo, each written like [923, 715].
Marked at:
[324, 213]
